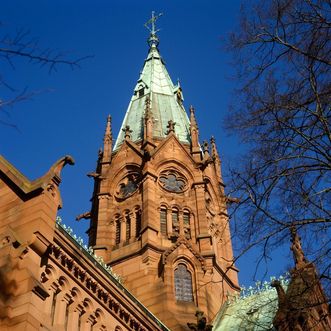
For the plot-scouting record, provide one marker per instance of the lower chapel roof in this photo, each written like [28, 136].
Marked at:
[253, 310]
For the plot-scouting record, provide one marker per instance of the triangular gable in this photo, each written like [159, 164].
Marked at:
[167, 141]
[182, 241]
[132, 146]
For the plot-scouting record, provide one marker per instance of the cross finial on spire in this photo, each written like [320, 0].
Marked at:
[150, 25]
[171, 126]
[127, 132]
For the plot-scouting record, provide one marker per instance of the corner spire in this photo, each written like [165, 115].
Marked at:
[214, 151]
[216, 158]
[107, 141]
[298, 254]
[153, 39]
[194, 132]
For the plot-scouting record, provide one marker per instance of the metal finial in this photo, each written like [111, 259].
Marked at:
[171, 126]
[150, 25]
[127, 132]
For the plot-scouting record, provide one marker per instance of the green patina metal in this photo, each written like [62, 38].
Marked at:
[166, 99]
[253, 310]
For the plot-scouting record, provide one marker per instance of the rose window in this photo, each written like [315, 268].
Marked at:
[173, 181]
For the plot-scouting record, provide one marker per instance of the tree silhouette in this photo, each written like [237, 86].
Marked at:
[282, 53]
[20, 45]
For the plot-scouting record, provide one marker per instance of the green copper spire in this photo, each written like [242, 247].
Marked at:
[165, 97]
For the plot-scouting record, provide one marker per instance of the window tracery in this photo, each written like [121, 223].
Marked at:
[173, 181]
[128, 185]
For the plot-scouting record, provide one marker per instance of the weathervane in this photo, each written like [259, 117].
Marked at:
[150, 25]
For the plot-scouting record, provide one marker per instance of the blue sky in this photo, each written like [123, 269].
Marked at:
[68, 116]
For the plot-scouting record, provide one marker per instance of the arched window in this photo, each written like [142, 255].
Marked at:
[183, 284]
[128, 227]
[118, 231]
[175, 221]
[186, 223]
[163, 221]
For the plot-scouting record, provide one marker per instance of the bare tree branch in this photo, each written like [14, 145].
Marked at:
[282, 112]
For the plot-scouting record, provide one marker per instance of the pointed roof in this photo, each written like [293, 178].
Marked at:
[165, 101]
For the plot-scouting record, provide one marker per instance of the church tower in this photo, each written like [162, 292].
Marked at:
[159, 215]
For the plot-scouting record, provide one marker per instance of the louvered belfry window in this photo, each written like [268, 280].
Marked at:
[183, 284]
[118, 231]
[128, 227]
[138, 223]
[163, 221]
[186, 221]
[175, 222]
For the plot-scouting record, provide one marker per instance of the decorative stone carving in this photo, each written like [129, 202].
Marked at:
[210, 204]
[201, 324]
[173, 181]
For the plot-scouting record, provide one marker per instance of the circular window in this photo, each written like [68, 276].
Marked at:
[173, 181]
[128, 185]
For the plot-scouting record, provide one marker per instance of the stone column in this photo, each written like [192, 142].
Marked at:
[74, 315]
[181, 223]
[123, 229]
[203, 235]
[150, 221]
[133, 218]
[169, 222]
[60, 309]
[87, 323]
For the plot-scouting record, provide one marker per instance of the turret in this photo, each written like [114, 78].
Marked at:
[216, 159]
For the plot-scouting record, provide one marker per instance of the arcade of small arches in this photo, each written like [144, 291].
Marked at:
[76, 301]
[70, 308]
[127, 226]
